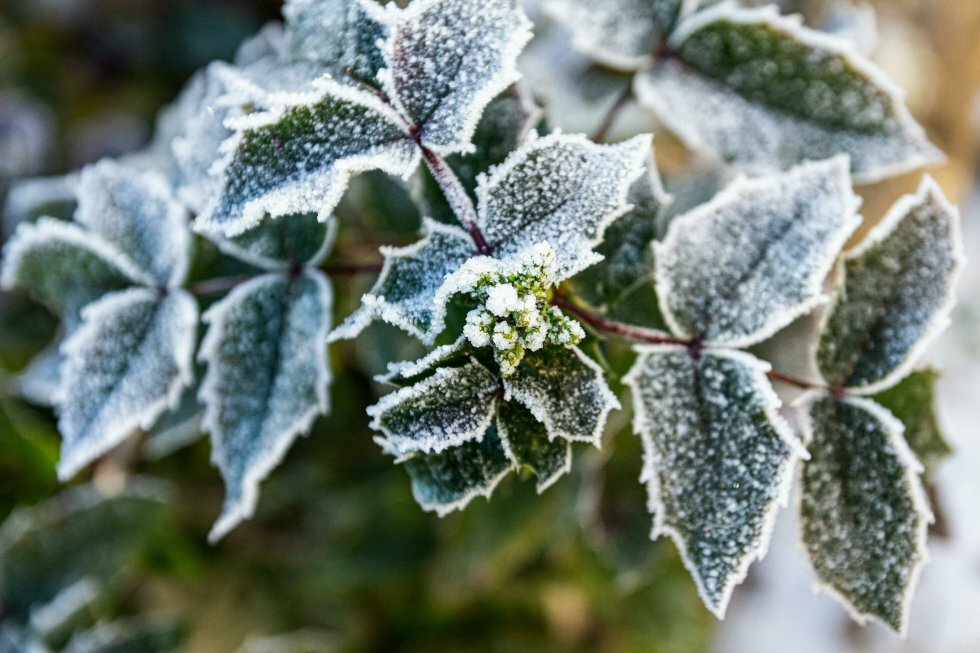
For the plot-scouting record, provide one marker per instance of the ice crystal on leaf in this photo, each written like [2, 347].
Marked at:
[895, 296]
[527, 444]
[741, 267]
[342, 34]
[718, 459]
[863, 512]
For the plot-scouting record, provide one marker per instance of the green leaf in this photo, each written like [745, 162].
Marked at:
[527, 445]
[343, 34]
[277, 243]
[128, 636]
[125, 366]
[718, 459]
[37, 197]
[408, 371]
[449, 480]
[565, 390]
[895, 296]
[298, 157]
[443, 411]
[763, 92]
[912, 401]
[863, 513]
[743, 266]
[267, 380]
[622, 34]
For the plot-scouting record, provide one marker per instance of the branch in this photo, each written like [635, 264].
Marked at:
[459, 200]
[623, 99]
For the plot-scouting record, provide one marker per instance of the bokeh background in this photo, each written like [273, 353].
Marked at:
[339, 558]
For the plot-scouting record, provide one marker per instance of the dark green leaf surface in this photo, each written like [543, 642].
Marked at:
[912, 401]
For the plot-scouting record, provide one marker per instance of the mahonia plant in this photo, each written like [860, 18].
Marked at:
[539, 247]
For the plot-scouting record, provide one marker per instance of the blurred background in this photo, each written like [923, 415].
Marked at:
[339, 557]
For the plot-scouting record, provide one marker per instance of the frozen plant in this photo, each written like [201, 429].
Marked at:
[539, 254]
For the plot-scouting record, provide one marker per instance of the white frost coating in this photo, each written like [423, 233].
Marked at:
[409, 294]
[256, 182]
[929, 193]
[543, 483]
[255, 412]
[405, 370]
[708, 115]
[485, 491]
[561, 189]
[447, 59]
[566, 391]
[27, 197]
[53, 615]
[257, 255]
[453, 406]
[124, 367]
[895, 430]
[647, 375]
[746, 264]
[38, 382]
[135, 211]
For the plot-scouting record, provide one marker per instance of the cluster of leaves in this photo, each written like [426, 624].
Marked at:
[255, 156]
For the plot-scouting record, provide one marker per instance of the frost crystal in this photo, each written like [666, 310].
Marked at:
[896, 294]
[863, 512]
[343, 34]
[277, 243]
[741, 267]
[266, 382]
[527, 444]
[718, 459]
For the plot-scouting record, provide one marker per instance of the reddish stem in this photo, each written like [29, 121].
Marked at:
[622, 100]
[459, 200]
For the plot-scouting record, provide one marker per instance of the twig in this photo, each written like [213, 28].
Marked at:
[623, 99]
[459, 200]
[600, 323]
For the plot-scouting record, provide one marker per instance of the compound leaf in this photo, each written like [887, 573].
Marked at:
[560, 189]
[447, 409]
[267, 379]
[124, 367]
[739, 268]
[299, 156]
[343, 34]
[863, 513]
[765, 93]
[449, 480]
[565, 390]
[912, 401]
[447, 59]
[135, 212]
[525, 441]
[896, 294]
[405, 293]
[718, 459]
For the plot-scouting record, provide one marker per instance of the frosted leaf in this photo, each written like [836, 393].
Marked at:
[135, 211]
[560, 189]
[405, 293]
[739, 268]
[269, 41]
[863, 513]
[896, 294]
[764, 93]
[63, 266]
[407, 370]
[622, 34]
[718, 459]
[275, 243]
[178, 428]
[565, 390]
[525, 441]
[39, 381]
[912, 401]
[449, 480]
[127, 636]
[124, 367]
[267, 379]
[298, 156]
[30, 199]
[447, 59]
[263, 84]
[343, 34]
[453, 406]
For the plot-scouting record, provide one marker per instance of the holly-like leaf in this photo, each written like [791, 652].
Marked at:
[61, 265]
[764, 93]
[267, 379]
[447, 59]
[449, 480]
[560, 189]
[896, 294]
[298, 156]
[622, 34]
[912, 401]
[125, 366]
[718, 459]
[565, 390]
[31, 199]
[739, 268]
[405, 293]
[135, 212]
[277, 243]
[451, 407]
[527, 444]
[408, 370]
[342, 34]
[863, 513]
